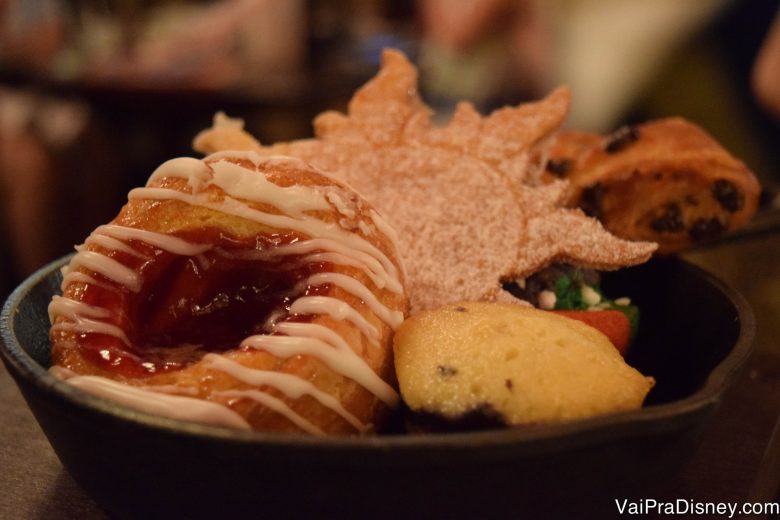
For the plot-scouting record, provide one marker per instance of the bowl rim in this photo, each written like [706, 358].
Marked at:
[650, 419]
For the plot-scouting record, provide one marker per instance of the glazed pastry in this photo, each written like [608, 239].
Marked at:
[665, 181]
[244, 291]
[478, 364]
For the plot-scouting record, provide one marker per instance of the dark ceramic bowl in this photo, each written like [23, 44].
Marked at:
[694, 336]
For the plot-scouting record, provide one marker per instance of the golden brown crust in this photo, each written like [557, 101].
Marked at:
[666, 181]
[199, 378]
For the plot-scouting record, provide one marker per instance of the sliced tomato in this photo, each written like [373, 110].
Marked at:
[613, 324]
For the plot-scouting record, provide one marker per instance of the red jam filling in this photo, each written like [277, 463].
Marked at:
[191, 305]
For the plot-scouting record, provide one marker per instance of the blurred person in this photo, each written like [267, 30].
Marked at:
[254, 44]
[611, 51]
[494, 52]
[766, 70]
[32, 33]
[26, 192]
[34, 189]
[491, 52]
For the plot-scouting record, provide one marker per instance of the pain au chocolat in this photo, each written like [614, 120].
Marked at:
[666, 181]
[243, 291]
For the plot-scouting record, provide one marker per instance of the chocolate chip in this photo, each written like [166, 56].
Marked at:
[460, 308]
[509, 384]
[620, 138]
[727, 194]
[445, 371]
[558, 167]
[705, 229]
[670, 220]
[591, 198]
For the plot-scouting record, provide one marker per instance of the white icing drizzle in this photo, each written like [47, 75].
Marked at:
[111, 236]
[165, 242]
[160, 194]
[84, 318]
[74, 309]
[195, 171]
[110, 243]
[261, 161]
[237, 181]
[355, 288]
[174, 389]
[382, 282]
[336, 309]
[275, 404]
[339, 204]
[338, 360]
[160, 403]
[363, 227]
[326, 243]
[108, 267]
[374, 269]
[314, 330]
[385, 228]
[71, 276]
[290, 385]
[307, 226]
[97, 327]
[338, 259]
[389, 231]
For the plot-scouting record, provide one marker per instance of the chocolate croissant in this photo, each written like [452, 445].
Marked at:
[665, 181]
[243, 291]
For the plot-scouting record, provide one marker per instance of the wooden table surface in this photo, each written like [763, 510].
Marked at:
[738, 459]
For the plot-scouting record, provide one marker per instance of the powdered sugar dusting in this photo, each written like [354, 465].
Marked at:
[465, 198]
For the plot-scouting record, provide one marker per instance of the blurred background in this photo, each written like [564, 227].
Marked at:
[95, 94]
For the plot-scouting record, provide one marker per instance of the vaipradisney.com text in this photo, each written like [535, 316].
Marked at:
[683, 506]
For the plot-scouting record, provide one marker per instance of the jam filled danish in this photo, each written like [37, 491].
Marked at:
[243, 291]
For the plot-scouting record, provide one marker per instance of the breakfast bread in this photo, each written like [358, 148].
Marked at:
[665, 181]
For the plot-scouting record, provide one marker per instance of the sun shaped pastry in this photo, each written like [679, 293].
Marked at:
[466, 198]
